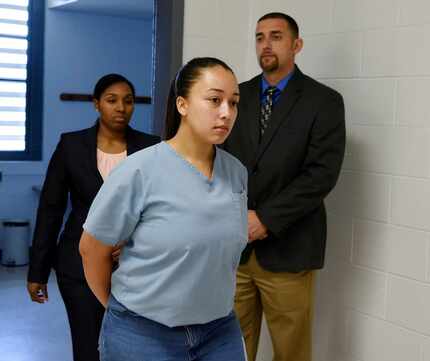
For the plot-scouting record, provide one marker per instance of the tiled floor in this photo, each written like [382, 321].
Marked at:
[31, 331]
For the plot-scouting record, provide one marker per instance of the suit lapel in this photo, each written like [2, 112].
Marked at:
[91, 142]
[252, 112]
[282, 108]
[133, 144]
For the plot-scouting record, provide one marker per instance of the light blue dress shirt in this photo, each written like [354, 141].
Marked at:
[184, 233]
[282, 84]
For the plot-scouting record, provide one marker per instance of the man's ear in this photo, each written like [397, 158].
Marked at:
[182, 105]
[298, 45]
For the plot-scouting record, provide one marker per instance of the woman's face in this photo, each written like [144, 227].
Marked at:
[210, 108]
[115, 106]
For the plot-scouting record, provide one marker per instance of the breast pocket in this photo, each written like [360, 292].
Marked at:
[240, 206]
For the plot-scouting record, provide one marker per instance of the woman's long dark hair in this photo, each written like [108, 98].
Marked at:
[181, 85]
[109, 79]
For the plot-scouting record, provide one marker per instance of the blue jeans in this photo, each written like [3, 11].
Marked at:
[127, 336]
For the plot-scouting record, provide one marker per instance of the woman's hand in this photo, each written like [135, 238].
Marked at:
[38, 292]
[117, 249]
[116, 253]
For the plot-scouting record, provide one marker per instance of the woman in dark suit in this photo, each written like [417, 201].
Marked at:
[77, 169]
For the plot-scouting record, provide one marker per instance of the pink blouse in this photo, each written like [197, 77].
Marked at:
[108, 161]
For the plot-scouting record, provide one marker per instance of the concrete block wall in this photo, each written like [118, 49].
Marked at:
[373, 296]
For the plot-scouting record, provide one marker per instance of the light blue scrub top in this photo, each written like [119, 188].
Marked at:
[185, 234]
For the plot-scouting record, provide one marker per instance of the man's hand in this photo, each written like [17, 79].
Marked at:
[38, 292]
[256, 229]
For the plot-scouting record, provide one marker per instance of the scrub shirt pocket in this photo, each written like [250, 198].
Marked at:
[240, 203]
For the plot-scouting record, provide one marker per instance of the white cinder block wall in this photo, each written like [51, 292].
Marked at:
[373, 297]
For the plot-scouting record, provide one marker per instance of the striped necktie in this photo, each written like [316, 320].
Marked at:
[266, 108]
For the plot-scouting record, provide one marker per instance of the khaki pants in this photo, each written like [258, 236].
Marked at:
[287, 302]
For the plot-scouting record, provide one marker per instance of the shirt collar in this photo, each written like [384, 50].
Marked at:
[281, 84]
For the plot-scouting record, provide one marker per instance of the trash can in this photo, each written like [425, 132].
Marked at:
[15, 242]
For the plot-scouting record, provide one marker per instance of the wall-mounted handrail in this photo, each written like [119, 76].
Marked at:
[76, 97]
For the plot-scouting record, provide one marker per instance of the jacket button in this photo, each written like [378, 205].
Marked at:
[255, 171]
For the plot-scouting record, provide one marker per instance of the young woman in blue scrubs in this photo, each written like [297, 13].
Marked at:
[180, 207]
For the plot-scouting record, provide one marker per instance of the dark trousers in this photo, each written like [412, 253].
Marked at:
[85, 315]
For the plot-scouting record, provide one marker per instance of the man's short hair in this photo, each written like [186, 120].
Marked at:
[290, 21]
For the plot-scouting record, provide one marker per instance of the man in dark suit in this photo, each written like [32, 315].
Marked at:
[290, 134]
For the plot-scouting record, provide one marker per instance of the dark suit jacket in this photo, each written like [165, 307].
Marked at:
[73, 172]
[291, 170]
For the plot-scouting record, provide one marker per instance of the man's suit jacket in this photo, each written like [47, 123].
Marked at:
[72, 172]
[291, 170]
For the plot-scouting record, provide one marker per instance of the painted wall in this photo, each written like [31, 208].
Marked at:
[79, 48]
[373, 295]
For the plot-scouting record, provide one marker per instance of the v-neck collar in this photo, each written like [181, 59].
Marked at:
[192, 166]
[91, 140]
